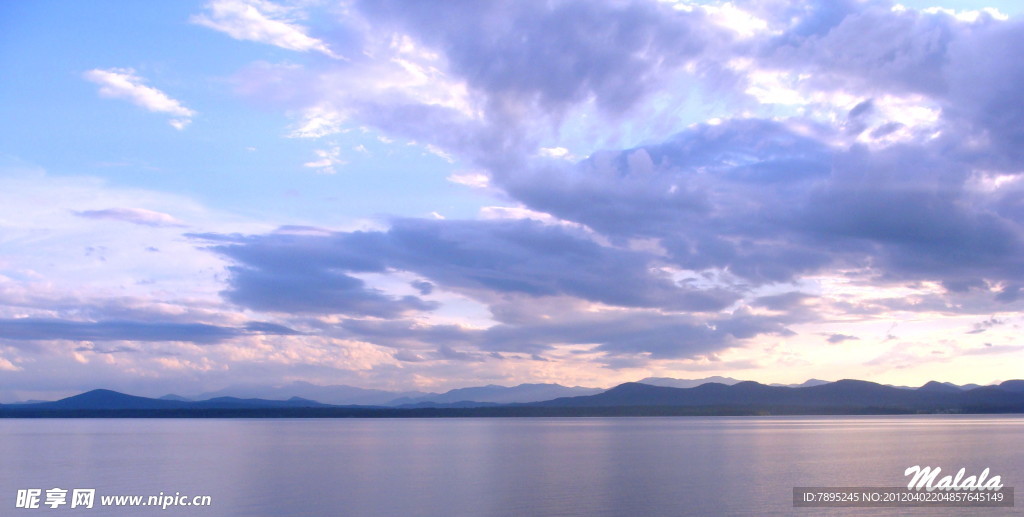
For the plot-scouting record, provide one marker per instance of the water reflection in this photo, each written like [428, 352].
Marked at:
[585, 466]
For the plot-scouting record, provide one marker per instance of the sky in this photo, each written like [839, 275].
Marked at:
[427, 195]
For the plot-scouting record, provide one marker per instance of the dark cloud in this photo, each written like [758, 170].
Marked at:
[539, 260]
[839, 338]
[984, 101]
[783, 302]
[553, 54]
[315, 291]
[990, 349]
[262, 327]
[718, 196]
[112, 350]
[40, 329]
[768, 201]
[659, 335]
[615, 333]
[423, 287]
[447, 352]
[866, 46]
[769, 204]
[763, 201]
[1009, 293]
[983, 326]
[408, 334]
[307, 274]
[702, 174]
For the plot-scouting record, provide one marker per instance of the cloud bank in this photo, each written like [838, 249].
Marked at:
[819, 187]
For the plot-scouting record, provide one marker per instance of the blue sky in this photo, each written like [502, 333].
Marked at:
[420, 195]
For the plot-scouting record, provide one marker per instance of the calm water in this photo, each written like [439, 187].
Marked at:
[470, 467]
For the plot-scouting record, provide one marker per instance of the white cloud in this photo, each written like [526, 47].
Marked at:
[319, 121]
[49, 245]
[326, 160]
[515, 212]
[471, 179]
[8, 366]
[743, 23]
[132, 215]
[122, 83]
[557, 152]
[967, 15]
[399, 76]
[260, 21]
[437, 151]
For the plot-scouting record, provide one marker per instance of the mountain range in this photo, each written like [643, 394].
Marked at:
[632, 398]
[494, 394]
[844, 394]
[350, 395]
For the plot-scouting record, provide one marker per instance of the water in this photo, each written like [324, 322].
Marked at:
[499, 466]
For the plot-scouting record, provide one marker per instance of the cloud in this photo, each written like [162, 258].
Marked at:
[773, 201]
[553, 54]
[717, 196]
[611, 334]
[484, 80]
[326, 160]
[655, 336]
[262, 22]
[543, 284]
[309, 273]
[138, 216]
[503, 256]
[122, 83]
[405, 334]
[839, 338]
[981, 98]
[844, 45]
[40, 329]
[315, 291]
[678, 185]
[990, 349]
[319, 121]
[423, 287]
[983, 326]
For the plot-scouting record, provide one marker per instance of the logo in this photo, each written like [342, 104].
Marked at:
[924, 477]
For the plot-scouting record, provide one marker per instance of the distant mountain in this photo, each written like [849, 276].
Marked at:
[496, 395]
[940, 387]
[669, 382]
[1016, 386]
[349, 395]
[107, 399]
[747, 397]
[337, 394]
[112, 400]
[844, 394]
[171, 396]
[445, 405]
[806, 384]
[237, 403]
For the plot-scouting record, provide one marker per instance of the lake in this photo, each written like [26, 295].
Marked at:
[498, 466]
